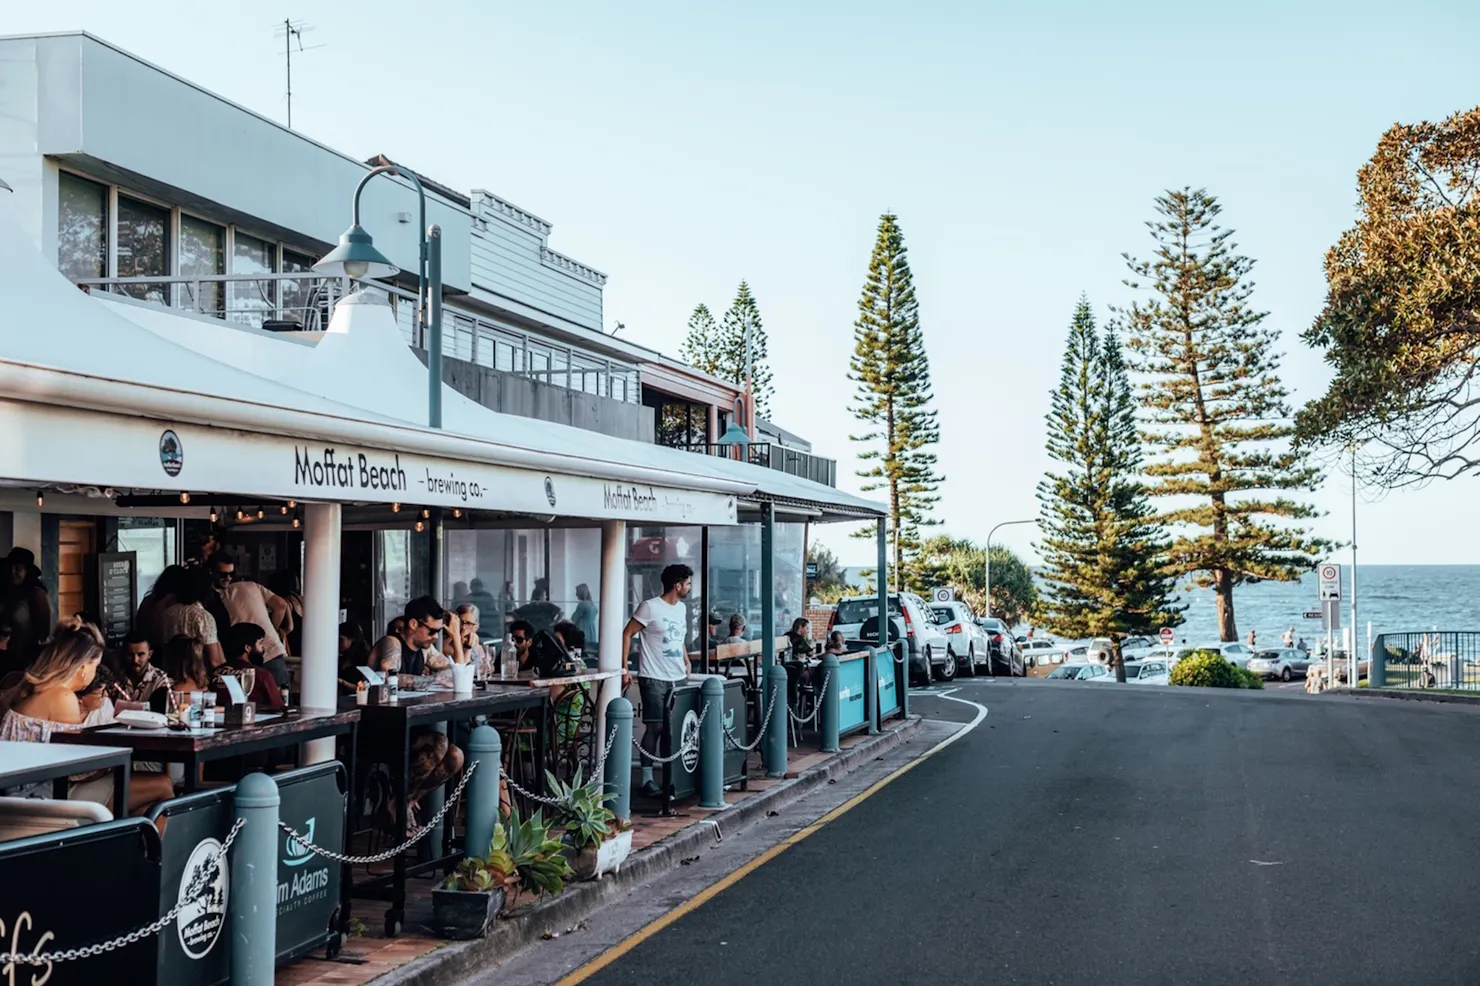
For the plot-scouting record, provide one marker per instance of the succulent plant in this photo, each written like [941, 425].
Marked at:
[485, 873]
[582, 810]
[538, 860]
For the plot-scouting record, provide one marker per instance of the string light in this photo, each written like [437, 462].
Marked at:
[456, 513]
[241, 515]
[420, 527]
[261, 513]
[184, 497]
[214, 518]
[40, 499]
[283, 511]
[395, 508]
[426, 514]
[292, 503]
[295, 523]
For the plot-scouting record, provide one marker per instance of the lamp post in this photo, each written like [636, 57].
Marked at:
[987, 606]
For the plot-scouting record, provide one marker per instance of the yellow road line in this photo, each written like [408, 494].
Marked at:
[715, 889]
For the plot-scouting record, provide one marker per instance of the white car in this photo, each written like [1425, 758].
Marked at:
[1148, 672]
[1233, 652]
[1086, 672]
[1039, 651]
[1283, 663]
[966, 642]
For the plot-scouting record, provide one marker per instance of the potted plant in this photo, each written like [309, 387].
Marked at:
[598, 842]
[537, 858]
[474, 892]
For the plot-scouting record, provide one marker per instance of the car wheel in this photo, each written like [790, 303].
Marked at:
[971, 661]
[948, 669]
[1285, 675]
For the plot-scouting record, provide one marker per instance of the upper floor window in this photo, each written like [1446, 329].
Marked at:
[82, 227]
[202, 253]
[144, 248]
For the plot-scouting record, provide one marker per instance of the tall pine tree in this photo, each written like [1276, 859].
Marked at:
[744, 317]
[701, 345]
[893, 397]
[1104, 553]
[1219, 420]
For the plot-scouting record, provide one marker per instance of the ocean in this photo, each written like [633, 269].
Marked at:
[1392, 598]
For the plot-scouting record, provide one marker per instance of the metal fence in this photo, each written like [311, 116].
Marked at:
[1442, 659]
[788, 460]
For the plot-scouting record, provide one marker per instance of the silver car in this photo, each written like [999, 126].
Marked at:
[1283, 663]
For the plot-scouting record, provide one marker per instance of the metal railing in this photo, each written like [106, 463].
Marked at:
[791, 461]
[305, 302]
[1442, 659]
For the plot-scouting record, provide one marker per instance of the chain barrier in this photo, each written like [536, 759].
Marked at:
[601, 760]
[560, 802]
[8, 959]
[816, 705]
[380, 857]
[684, 748]
[760, 733]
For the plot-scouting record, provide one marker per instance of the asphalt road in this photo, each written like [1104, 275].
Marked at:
[1106, 834]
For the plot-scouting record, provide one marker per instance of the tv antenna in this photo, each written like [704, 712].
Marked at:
[292, 31]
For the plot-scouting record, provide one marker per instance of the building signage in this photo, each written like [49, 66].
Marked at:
[135, 453]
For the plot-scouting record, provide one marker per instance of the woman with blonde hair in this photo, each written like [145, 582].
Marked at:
[46, 701]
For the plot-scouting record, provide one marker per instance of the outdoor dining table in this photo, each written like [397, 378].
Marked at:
[29, 763]
[386, 739]
[203, 744]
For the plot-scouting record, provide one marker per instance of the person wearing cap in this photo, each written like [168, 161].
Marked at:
[25, 605]
[715, 637]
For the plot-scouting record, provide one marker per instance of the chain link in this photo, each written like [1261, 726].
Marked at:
[139, 934]
[380, 857]
[816, 706]
[684, 748]
[760, 733]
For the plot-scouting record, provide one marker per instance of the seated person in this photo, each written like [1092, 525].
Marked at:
[242, 646]
[45, 701]
[521, 633]
[140, 679]
[468, 620]
[737, 631]
[185, 671]
[799, 640]
[539, 612]
[414, 651]
[354, 653]
[836, 645]
[715, 638]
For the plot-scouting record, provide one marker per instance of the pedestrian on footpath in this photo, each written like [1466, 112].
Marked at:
[659, 624]
[1251, 639]
[1289, 637]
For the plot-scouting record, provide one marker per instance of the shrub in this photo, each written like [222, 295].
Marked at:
[1208, 669]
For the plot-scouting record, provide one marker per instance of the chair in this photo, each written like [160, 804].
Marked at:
[23, 817]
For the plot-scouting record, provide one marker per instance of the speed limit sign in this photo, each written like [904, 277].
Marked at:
[1330, 587]
[944, 594]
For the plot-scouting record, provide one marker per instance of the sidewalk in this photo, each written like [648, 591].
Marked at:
[417, 958]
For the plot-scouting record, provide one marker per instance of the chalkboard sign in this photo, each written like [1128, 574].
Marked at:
[118, 592]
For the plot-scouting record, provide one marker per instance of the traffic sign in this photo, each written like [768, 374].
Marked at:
[1312, 614]
[1331, 614]
[943, 594]
[1330, 584]
[1166, 635]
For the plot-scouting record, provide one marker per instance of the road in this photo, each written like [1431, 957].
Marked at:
[1118, 834]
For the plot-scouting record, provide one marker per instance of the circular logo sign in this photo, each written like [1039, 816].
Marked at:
[550, 490]
[689, 740]
[171, 453]
[945, 595]
[202, 900]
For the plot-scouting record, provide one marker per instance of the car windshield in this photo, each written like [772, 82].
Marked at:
[1101, 643]
[992, 623]
[1064, 671]
[1132, 671]
[858, 610]
[1270, 655]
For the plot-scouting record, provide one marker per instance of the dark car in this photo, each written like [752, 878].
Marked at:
[1007, 658]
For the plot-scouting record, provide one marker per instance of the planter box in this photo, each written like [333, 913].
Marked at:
[464, 914]
[607, 857]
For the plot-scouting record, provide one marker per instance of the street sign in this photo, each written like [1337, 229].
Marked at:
[1166, 635]
[1330, 585]
[943, 594]
[1331, 614]
[1312, 614]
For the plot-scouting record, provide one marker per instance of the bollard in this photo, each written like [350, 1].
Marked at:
[774, 745]
[871, 689]
[486, 749]
[902, 676]
[619, 760]
[431, 803]
[827, 714]
[252, 900]
[712, 745]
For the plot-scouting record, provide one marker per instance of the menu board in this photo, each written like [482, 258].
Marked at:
[118, 583]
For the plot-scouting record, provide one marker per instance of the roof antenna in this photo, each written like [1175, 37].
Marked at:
[290, 31]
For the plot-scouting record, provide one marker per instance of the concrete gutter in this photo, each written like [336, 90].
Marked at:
[1414, 695]
[456, 961]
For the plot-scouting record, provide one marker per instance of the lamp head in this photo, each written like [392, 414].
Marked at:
[356, 257]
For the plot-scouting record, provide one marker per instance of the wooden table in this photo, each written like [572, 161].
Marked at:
[27, 763]
[193, 747]
[386, 738]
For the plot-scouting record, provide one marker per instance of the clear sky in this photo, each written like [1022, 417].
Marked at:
[681, 147]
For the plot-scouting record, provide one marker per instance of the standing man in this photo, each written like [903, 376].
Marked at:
[25, 605]
[1289, 637]
[661, 624]
[245, 601]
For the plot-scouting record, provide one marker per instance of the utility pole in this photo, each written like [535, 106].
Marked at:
[1356, 663]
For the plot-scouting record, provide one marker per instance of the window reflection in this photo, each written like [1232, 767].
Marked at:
[82, 227]
[202, 252]
[144, 248]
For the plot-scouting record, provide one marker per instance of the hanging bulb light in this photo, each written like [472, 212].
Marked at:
[40, 499]
[426, 514]
[240, 516]
[292, 503]
[420, 527]
[283, 511]
[184, 497]
[295, 523]
[456, 513]
[395, 508]
[214, 517]
[261, 513]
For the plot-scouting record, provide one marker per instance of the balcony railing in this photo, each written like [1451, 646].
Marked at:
[788, 460]
[305, 302]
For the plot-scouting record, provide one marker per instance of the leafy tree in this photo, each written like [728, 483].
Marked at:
[701, 345]
[832, 580]
[893, 397]
[1217, 414]
[1104, 552]
[962, 565]
[1401, 324]
[1014, 591]
[733, 355]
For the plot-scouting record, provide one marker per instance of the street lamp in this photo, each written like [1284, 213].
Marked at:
[987, 606]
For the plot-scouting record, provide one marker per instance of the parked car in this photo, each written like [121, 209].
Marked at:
[1098, 673]
[1078, 654]
[1151, 671]
[1233, 652]
[967, 642]
[1068, 672]
[1007, 659]
[929, 650]
[1041, 651]
[1101, 651]
[1140, 648]
[1283, 663]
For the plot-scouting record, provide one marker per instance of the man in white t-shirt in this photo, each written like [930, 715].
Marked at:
[661, 625]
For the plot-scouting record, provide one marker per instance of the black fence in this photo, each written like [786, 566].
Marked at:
[782, 459]
[1444, 659]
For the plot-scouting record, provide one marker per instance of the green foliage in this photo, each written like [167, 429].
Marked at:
[488, 872]
[582, 809]
[1209, 669]
[1401, 324]
[962, 565]
[832, 580]
[745, 316]
[1104, 552]
[539, 860]
[892, 374]
[701, 348]
[1216, 413]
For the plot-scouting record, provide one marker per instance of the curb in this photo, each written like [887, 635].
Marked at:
[1423, 695]
[455, 960]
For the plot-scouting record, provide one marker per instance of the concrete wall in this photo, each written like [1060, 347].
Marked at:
[510, 393]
